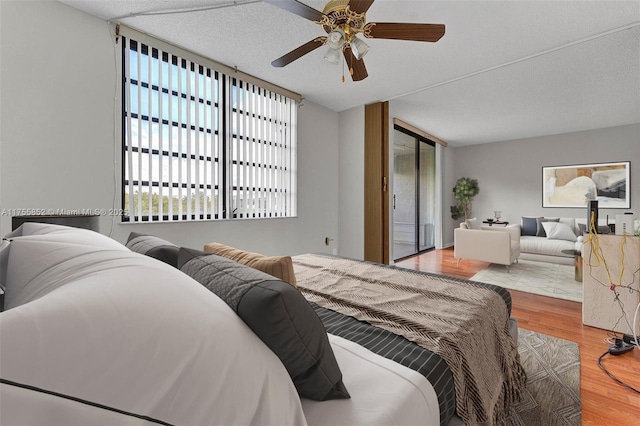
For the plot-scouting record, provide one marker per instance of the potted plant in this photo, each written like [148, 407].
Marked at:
[464, 191]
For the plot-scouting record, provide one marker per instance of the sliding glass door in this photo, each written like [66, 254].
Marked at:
[414, 193]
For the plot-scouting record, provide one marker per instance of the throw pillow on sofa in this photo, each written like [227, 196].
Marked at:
[602, 229]
[559, 231]
[540, 231]
[530, 226]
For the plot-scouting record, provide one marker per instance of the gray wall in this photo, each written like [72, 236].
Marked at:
[61, 150]
[351, 188]
[510, 173]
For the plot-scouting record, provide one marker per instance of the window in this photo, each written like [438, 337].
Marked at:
[200, 144]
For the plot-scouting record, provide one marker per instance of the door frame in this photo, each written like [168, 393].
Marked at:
[419, 139]
[376, 182]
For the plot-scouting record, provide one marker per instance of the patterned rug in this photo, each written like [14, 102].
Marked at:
[546, 279]
[552, 395]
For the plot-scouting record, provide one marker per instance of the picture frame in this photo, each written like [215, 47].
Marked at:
[574, 185]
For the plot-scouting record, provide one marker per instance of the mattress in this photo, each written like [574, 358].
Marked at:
[399, 350]
[383, 392]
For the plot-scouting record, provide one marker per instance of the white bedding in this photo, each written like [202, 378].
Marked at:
[129, 332]
[383, 392]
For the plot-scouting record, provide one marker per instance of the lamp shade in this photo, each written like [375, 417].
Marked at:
[336, 39]
[359, 47]
[333, 55]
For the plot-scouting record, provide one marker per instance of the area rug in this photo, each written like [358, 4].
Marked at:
[552, 394]
[546, 279]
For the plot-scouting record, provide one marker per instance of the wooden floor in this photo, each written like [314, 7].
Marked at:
[604, 402]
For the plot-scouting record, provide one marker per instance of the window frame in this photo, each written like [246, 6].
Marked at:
[224, 137]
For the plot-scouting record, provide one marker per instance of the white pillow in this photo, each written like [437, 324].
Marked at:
[473, 223]
[559, 231]
[60, 233]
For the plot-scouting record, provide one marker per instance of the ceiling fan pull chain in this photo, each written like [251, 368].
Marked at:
[351, 65]
[343, 70]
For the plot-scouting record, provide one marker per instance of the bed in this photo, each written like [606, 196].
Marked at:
[425, 322]
[95, 333]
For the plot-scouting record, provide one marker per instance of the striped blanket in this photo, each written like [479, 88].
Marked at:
[464, 323]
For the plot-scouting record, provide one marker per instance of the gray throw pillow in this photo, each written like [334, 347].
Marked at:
[540, 231]
[602, 229]
[530, 226]
[279, 315]
[154, 247]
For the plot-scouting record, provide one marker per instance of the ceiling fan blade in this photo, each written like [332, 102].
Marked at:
[357, 65]
[299, 52]
[360, 6]
[402, 31]
[298, 8]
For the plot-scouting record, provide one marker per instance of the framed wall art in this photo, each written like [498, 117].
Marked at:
[574, 186]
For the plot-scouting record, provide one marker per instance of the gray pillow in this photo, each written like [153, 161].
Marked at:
[602, 229]
[530, 226]
[154, 247]
[279, 315]
[540, 231]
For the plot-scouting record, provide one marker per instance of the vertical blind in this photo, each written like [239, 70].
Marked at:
[200, 144]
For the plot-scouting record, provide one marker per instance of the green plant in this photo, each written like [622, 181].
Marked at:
[464, 191]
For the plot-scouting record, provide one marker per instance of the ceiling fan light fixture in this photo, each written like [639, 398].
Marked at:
[336, 39]
[333, 55]
[359, 48]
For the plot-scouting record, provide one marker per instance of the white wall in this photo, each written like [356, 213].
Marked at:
[57, 81]
[448, 182]
[351, 197]
[510, 173]
[59, 141]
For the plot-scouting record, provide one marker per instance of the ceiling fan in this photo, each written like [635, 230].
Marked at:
[343, 20]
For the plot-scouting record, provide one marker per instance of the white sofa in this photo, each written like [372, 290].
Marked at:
[541, 248]
[494, 244]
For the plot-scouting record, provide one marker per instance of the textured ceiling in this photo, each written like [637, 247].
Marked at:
[503, 70]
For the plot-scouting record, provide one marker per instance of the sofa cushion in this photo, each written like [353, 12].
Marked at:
[279, 315]
[540, 232]
[530, 226]
[277, 266]
[544, 246]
